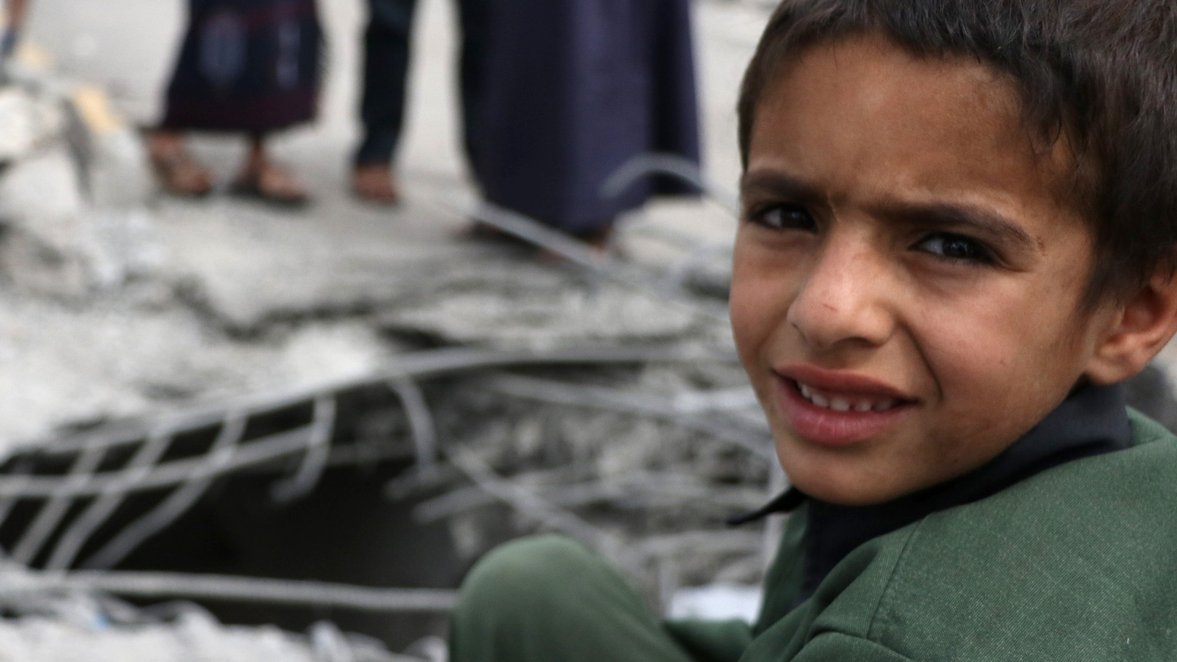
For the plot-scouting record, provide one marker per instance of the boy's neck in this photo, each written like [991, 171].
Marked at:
[1093, 420]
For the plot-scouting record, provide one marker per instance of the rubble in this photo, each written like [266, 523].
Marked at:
[193, 637]
[299, 379]
[30, 121]
[73, 193]
[79, 628]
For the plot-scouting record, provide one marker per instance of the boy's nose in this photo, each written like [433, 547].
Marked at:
[844, 299]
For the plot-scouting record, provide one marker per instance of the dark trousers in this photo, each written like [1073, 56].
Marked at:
[386, 64]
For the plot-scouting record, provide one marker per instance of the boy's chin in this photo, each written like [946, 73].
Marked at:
[849, 489]
[849, 498]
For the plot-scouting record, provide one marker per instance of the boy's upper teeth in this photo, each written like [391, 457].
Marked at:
[845, 403]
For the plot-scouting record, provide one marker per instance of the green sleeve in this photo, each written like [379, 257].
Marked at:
[839, 647]
[711, 641]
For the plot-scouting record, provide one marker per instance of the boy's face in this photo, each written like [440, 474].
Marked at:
[907, 276]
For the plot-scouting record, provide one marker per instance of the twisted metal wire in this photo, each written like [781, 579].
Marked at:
[318, 450]
[245, 590]
[60, 493]
[420, 423]
[177, 503]
[113, 494]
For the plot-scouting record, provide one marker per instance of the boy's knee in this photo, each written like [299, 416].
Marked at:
[537, 598]
[525, 573]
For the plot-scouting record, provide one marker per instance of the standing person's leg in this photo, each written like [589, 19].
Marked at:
[473, 16]
[548, 598]
[261, 178]
[16, 10]
[176, 170]
[387, 41]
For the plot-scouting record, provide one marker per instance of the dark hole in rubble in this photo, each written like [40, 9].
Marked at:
[347, 530]
[352, 529]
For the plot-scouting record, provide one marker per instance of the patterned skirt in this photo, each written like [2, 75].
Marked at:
[251, 66]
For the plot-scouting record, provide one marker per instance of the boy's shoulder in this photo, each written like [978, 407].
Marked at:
[1077, 562]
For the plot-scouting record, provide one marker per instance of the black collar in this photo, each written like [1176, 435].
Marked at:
[1091, 421]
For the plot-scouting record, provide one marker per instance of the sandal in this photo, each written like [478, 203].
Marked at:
[272, 185]
[177, 172]
[374, 183]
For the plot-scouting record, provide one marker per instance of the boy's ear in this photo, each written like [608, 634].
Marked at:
[1141, 328]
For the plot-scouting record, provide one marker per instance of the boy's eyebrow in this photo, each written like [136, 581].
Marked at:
[779, 183]
[954, 214]
[951, 214]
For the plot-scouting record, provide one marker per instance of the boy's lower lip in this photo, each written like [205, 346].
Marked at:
[826, 427]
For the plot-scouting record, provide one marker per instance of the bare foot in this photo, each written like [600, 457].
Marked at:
[174, 167]
[374, 183]
[270, 183]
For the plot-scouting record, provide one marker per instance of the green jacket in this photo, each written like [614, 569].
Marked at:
[1075, 563]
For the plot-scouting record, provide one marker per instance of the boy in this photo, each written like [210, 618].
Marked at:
[958, 236]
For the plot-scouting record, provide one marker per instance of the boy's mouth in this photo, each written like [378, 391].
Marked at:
[836, 408]
[844, 402]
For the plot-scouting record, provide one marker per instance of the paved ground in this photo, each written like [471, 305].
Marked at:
[126, 45]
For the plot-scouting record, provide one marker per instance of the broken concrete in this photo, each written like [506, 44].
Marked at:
[29, 121]
[127, 308]
[192, 636]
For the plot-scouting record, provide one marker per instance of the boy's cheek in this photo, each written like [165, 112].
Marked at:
[748, 319]
[741, 333]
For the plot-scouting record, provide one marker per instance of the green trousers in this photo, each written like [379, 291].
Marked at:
[548, 599]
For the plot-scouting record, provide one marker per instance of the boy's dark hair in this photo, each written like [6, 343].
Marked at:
[1101, 74]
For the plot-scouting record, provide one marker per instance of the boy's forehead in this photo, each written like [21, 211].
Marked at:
[869, 77]
[931, 125]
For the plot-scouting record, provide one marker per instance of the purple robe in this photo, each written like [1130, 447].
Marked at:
[574, 89]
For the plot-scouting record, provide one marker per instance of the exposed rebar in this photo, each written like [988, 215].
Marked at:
[418, 365]
[527, 503]
[257, 452]
[420, 422]
[665, 164]
[178, 502]
[317, 451]
[756, 442]
[248, 589]
[113, 494]
[578, 253]
[60, 491]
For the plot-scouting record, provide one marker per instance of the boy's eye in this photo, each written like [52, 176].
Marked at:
[783, 217]
[956, 247]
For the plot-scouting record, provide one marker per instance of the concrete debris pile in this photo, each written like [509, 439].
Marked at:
[215, 388]
[163, 360]
[193, 637]
[73, 192]
[319, 392]
[643, 463]
[76, 229]
[73, 626]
